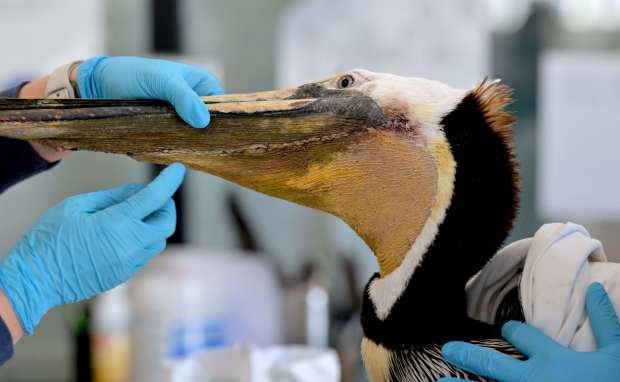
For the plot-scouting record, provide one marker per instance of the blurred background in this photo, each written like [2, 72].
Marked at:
[246, 268]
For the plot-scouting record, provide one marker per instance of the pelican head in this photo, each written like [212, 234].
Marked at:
[377, 150]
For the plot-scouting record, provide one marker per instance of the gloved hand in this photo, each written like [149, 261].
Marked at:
[142, 78]
[548, 361]
[88, 244]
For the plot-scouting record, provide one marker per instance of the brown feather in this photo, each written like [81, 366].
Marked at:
[493, 98]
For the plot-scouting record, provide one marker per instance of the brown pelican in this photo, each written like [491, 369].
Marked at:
[423, 172]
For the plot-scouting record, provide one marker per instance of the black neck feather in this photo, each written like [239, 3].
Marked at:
[432, 307]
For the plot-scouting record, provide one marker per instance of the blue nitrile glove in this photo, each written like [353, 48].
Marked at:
[143, 78]
[548, 361]
[88, 244]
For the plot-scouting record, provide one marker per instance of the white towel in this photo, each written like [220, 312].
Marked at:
[553, 271]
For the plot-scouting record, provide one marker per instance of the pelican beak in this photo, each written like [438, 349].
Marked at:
[240, 124]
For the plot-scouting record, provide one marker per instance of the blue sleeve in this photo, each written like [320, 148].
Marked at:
[19, 160]
[6, 343]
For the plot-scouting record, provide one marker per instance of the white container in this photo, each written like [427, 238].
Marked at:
[188, 300]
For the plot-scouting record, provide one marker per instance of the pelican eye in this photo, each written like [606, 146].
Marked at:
[345, 82]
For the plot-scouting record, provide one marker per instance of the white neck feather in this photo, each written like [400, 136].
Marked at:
[386, 290]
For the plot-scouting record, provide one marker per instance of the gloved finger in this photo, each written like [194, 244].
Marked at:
[187, 103]
[603, 317]
[155, 228]
[483, 361]
[527, 339]
[203, 82]
[163, 222]
[99, 200]
[154, 195]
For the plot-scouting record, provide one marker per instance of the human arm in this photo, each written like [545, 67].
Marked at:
[22, 159]
[86, 245]
[547, 360]
[10, 330]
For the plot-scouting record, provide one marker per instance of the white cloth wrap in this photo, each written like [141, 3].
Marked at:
[553, 271]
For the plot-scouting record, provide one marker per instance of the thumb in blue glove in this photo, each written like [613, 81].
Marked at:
[89, 244]
[548, 361]
[143, 78]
